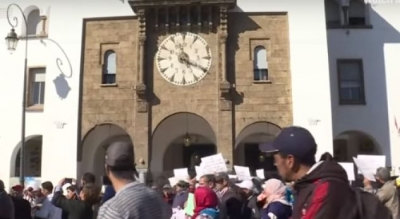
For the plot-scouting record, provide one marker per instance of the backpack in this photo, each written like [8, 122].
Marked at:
[209, 213]
[370, 207]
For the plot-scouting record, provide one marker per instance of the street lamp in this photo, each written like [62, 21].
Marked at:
[12, 41]
[186, 140]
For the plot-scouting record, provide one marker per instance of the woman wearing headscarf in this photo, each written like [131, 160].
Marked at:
[275, 205]
[206, 204]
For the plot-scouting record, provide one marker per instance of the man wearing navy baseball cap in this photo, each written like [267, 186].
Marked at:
[321, 189]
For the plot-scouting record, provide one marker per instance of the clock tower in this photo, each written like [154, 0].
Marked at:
[183, 34]
[185, 79]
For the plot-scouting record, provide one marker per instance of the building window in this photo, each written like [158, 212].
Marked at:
[356, 13]
[37, 86]
[332, 13]
[340, 15]
[260, 64]
[109, 67]
[33, 27]
[351, 81]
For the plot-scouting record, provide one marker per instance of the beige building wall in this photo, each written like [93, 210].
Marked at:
[267, 103]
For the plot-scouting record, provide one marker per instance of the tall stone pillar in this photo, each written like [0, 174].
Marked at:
[141, 121]
[225, 138]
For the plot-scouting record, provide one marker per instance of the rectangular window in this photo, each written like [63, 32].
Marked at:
[351, 81]
[37, 84]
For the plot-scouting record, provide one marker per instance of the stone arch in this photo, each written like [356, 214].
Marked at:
[94, 144]
[171, 129]
[246, 151]
[38, 139]
[349, 144]
[257, 128]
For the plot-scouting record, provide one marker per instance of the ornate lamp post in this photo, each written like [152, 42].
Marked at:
[12, 42]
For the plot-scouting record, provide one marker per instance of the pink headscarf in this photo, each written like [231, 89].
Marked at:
[274, 191]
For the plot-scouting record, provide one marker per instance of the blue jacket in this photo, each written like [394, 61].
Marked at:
[280, 210]
[108, 194]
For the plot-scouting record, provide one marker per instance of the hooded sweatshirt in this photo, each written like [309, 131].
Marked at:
[6, 206]
[324, 193]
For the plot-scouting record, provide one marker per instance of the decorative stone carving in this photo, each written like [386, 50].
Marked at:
[141, 88]
[142, 106]
[225, 105]
[224, 85]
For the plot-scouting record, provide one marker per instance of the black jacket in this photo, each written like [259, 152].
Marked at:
[76, 209]
[231, 205]
[324, 193]
[251, 209]
[22, 208]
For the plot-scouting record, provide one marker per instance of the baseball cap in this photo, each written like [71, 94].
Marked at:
[120, 156]
[294, 140]
[246, 184]
[17, 188]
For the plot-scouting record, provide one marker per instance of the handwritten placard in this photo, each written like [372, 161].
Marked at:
[181, 174]
[213, 164]
[349, 168]
[199, 172]
[260, 173]
[364, 169]
[173, 181]
[373, 162]
[243, 173]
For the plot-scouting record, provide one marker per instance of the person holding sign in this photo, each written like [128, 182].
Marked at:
[387, 193]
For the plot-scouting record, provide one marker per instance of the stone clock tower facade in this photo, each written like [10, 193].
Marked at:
[178, 64]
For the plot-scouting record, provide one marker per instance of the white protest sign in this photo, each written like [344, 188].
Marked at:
[260, 173]
[373, 161]
[243, 173]
[181, 174]
[349, 168]
[173, 181]
[199, 172]
[213, 164]
[364, 169]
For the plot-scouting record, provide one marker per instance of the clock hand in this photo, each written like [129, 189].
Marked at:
[197, 65]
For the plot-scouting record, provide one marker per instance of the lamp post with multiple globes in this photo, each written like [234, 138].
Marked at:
[12, 42]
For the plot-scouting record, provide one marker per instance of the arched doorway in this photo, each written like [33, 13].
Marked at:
[179, 141]
[94, 146]
[247, 152]
[349, 144]
[32, 157]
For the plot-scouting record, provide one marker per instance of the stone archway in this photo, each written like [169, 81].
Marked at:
[247, 143]
[32, 157]
[168, 149]
[351, 143]
[94, 145]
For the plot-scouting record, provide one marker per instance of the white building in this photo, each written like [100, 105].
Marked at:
[366, 49]
[54, 60]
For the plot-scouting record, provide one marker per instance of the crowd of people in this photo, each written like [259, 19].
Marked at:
[305, 189]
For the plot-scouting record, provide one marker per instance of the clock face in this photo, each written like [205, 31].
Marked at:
[183, 59]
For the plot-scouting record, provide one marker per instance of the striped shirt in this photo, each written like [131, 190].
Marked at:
[135, 201]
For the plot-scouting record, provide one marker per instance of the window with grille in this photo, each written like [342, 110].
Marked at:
[109, 67]
[260, 64]
[37, 86]
[351, 81]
